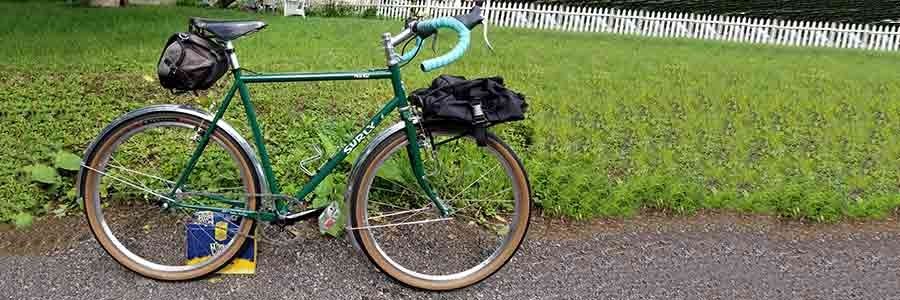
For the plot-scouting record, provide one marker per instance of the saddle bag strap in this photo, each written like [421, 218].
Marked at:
[181, 39]
[479, 131]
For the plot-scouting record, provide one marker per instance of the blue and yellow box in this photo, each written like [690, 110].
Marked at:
[209, 232]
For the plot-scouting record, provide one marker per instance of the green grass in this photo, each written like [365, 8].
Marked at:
[616, 123]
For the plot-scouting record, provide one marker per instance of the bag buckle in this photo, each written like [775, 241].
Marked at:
[481, 123]
[478, 115]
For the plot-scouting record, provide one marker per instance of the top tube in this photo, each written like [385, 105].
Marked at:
[317, 76]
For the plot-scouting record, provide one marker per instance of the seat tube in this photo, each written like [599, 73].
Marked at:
[244, 92]
[232, 56]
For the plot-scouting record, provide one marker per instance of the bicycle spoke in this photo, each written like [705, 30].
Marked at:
[400, 212]
[499, 192]
[388, 205]
[474, 182]
[416, 192]
[146, 189]
[400, 224]
[412, 215]
[132, 179]
[467, 217]
[129, 183]
[492, 196]
[194, 236]
[485, 200]
[117, 165]
[402, 193]
[126, 193]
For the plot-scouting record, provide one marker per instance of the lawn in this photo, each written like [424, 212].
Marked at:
[616, 123]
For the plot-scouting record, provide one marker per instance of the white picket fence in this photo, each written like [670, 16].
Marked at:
[653, 24]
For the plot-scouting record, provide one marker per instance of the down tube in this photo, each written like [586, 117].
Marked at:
[343, 152]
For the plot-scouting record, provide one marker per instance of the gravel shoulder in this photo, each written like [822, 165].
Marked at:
[708, 256]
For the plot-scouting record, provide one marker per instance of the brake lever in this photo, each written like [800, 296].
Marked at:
[434, 43]
[484, 22]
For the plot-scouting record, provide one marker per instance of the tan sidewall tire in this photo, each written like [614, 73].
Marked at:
[368, 245]
[89, 181]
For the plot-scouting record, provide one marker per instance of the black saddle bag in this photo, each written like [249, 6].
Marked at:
[191, 62]
[481, 102]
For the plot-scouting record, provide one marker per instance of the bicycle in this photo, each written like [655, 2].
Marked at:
[427, 205]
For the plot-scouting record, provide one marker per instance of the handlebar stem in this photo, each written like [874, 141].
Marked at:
[389, 54]
[402, 37]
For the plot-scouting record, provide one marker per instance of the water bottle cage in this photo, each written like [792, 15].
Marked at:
[311, 159]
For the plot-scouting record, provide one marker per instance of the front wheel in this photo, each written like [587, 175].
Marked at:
[404, 235]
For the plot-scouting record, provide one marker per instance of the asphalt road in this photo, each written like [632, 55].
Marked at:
[649, 257]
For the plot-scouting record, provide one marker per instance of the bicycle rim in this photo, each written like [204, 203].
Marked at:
[404, 234]
[131, 174]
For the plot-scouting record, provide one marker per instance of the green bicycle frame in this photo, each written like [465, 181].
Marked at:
[240, 86]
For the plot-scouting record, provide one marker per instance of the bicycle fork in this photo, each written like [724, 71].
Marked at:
[415, 162]
[415, 157]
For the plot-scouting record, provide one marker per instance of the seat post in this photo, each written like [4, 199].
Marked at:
[232, 56]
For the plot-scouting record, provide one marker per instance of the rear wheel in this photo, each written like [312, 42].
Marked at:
[403, 234]
[126, 181]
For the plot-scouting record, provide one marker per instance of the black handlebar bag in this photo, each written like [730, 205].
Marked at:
[191, 62]
[481, 102]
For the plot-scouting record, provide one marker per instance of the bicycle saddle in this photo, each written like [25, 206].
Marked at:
[227, 30]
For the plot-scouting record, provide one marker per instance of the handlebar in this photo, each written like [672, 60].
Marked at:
[462, 24]
[462, 43]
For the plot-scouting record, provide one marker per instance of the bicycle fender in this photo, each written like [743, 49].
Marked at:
[184, 109]
[381, 137]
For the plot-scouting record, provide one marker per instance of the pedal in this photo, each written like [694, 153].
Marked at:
[311, 159]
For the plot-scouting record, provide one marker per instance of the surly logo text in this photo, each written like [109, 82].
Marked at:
[359, 138]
